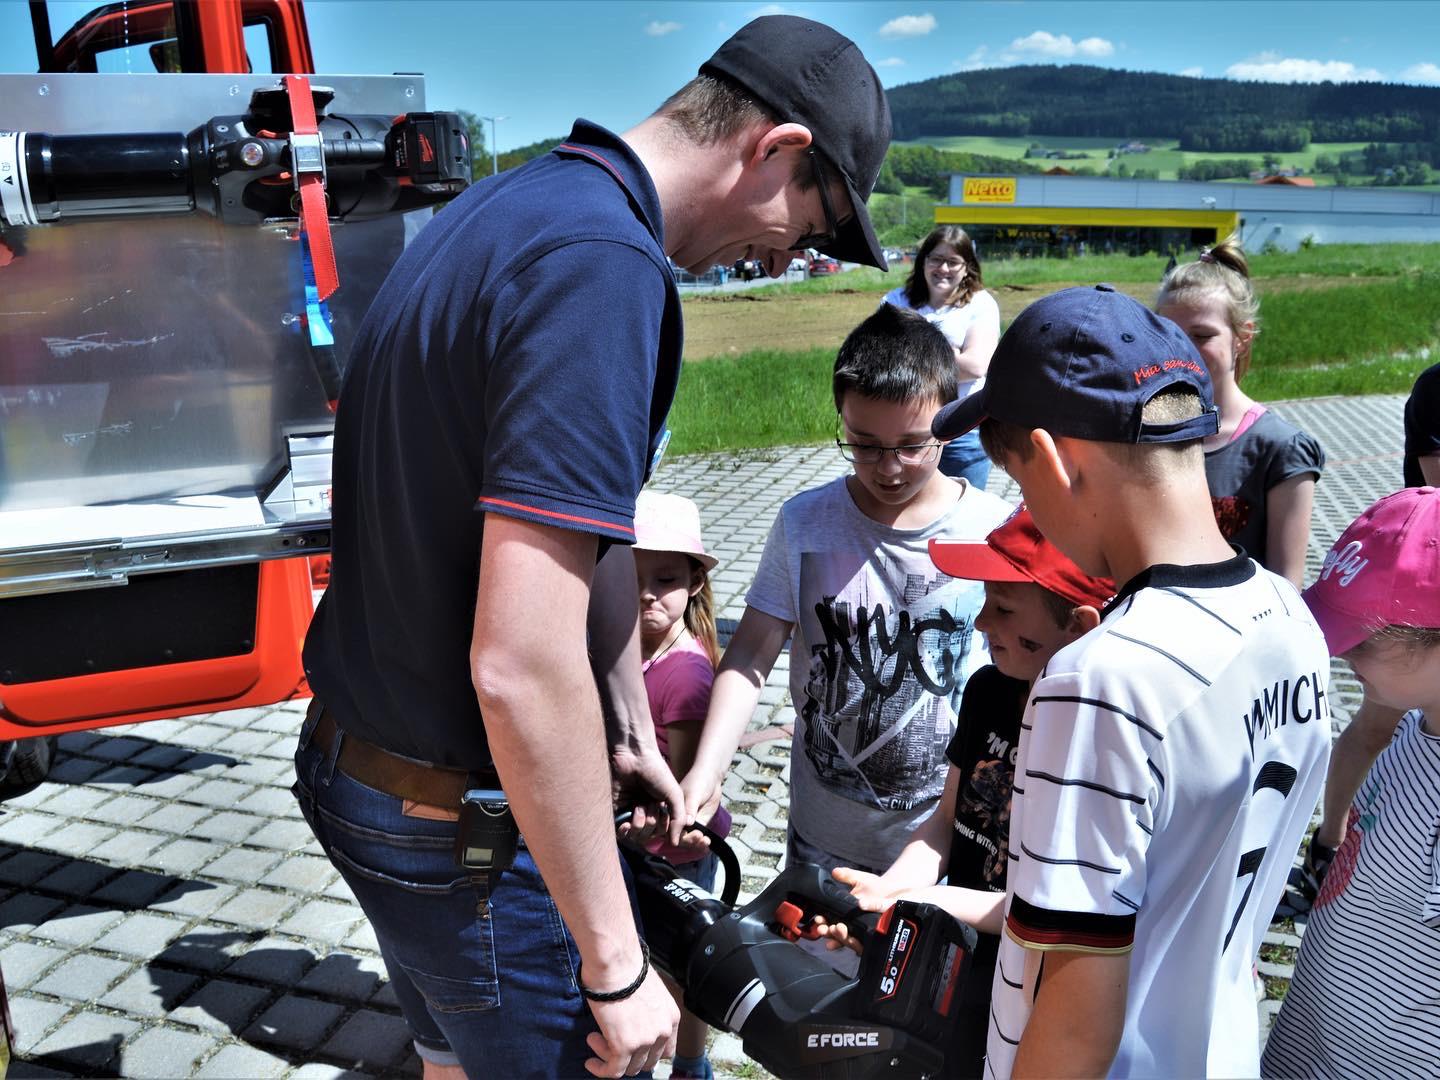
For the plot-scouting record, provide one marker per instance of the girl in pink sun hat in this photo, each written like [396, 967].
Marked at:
[1365, 1000]
[679, 649]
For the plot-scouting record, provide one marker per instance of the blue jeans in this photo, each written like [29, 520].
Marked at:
[484, 971]
[965, 458]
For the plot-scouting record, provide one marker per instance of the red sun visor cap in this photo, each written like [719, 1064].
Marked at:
[1016, 551]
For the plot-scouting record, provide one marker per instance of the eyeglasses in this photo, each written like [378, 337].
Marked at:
[865, 454]
[936, 262]
[832, 227]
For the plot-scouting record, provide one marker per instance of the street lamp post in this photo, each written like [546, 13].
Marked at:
[494, 152]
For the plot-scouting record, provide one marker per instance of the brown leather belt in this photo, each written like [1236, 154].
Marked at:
[396, 775]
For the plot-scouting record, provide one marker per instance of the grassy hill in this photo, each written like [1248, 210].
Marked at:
[1165, 154]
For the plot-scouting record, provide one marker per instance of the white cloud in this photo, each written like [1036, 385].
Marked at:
[890, 61]
[904, 26]
[1421, 73]
[1272, 67]
[1061, 46]
[771, 9]
[1193, 72]
[656, 28]
[978, 58]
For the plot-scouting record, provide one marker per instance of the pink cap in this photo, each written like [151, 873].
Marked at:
[1383, 571]
[670, 523]
[1015, 551]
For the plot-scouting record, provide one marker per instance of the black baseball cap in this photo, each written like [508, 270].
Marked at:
[808, 73]
[1084, 362]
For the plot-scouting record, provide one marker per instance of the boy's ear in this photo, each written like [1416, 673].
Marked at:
[1083, 619]
[1051, 459]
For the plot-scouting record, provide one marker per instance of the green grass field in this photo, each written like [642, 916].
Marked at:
[1321, 334]
[1322, 260]
[1164, 154]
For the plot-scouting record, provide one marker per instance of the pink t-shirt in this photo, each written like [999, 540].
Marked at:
[678, 686]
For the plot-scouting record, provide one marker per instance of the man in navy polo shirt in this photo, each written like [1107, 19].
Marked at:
[506, 393]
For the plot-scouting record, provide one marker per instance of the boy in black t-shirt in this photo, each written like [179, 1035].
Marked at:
[1036, 601]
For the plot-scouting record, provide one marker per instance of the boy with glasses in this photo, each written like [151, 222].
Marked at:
[882, 642]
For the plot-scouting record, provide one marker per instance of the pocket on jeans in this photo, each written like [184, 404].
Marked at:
[446, 995]
[439, 881]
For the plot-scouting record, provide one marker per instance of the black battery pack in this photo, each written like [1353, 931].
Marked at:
[486, 835]
[910, 977]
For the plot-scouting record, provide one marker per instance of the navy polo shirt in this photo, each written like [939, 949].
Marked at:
[520, 359]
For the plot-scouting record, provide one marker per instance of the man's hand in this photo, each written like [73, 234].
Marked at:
[635, 1033]
[641, 781]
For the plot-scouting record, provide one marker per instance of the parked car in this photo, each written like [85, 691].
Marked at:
[748, 269]
[823, 264]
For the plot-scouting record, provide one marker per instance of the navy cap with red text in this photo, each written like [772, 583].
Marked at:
[1083, 363]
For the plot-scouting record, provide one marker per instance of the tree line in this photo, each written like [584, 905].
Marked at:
[1204, 114]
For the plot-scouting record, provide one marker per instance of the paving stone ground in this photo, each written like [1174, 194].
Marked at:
[164, 910]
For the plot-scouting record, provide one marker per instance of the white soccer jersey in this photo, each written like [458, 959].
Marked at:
[1169, 763]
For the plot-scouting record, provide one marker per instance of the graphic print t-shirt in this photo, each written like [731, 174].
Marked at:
[883, 645]
[1241, 472]
[1169, 764]
[987, 739]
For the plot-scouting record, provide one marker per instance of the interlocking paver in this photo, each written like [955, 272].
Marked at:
[301, 873]
[78, 924]
[183, 856]
[255, 907]
[24, 911]
[77, 879]
[34, 1017]
[151, 991]
[295, 1022]
[324, 920]
[140, 934]
[133, 889]
[221, 1005]
[177, 817]
[24, 962]
[227, 826]
[273, 960]
[344, 975]
[370, 1040]
[243, 864]
[83, 977]
[129, 846]
[165, 1052]
[77, 838]
[27, 830]
[242, 1063]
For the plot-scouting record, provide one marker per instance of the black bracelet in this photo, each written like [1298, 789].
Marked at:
[621, 995]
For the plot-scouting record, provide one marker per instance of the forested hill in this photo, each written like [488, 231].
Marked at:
[1204, 114]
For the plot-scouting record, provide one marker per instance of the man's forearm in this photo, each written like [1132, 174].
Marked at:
[547, 740]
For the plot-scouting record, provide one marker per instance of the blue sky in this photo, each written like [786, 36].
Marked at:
[542, 63]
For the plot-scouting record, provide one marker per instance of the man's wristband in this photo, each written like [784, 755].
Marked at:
[622, 994]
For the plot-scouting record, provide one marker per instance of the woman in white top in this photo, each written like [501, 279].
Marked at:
[945, 287]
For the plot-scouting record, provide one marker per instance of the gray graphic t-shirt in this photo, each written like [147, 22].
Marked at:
[882, 647]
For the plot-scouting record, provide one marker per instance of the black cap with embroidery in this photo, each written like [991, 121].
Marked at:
[808, 73]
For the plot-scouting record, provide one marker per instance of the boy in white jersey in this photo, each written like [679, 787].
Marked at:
[1170, 759]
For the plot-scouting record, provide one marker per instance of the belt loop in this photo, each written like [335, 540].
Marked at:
[312, 721]
[334, 755]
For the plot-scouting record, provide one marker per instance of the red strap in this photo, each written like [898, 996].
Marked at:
[313, 218]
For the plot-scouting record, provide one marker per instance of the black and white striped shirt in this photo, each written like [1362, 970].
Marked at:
[1169, 763]
[1365, 1000]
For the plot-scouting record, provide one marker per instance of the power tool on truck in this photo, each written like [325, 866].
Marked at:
[179, 201]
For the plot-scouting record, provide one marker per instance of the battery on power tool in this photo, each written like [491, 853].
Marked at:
[910, 977]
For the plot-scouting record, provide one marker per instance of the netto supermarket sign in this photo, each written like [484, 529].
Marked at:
[989, 189]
